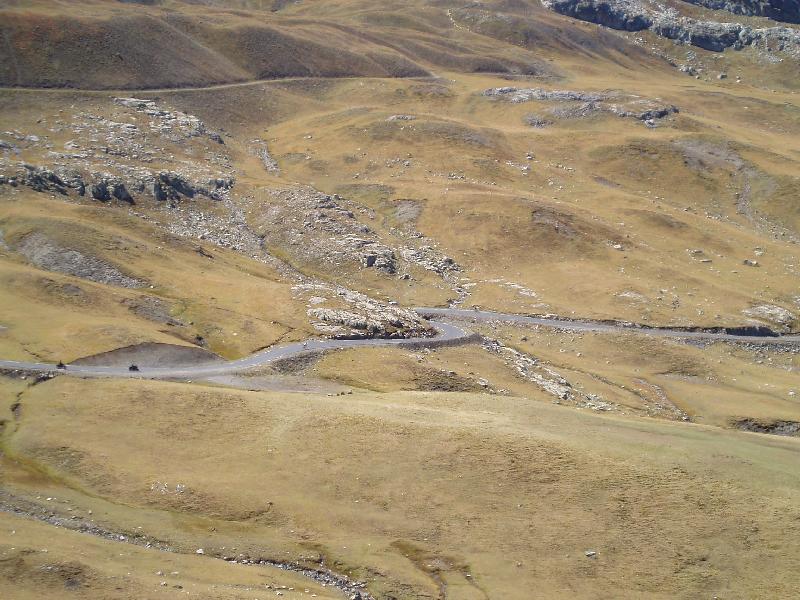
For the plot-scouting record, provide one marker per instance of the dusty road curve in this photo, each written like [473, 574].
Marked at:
[447, 333]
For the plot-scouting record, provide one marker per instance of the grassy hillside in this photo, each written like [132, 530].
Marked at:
[276, 171]
[420, 492]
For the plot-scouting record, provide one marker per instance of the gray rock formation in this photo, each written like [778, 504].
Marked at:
[536, 121]
[42, 179]
[49, 255]
[787, 11]
[583, 104]
[625, 15]
[162, 186]
[325, 228]
[519, 95]
[100, 191]
[355, 315]
[107, 156]
[774, 315]
[630, 15]
[176, 124]
[260, 149]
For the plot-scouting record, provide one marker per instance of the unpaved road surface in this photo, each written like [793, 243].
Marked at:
[447, 333]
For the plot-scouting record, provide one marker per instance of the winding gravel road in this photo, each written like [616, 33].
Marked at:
[447, 333]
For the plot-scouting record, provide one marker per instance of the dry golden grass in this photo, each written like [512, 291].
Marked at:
[409, 490]
[38, 561]
[629, 186]
[54, 316]
[715, 385]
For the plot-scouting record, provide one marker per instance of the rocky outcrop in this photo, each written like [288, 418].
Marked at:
[170, 186]
[373, 254]
[166, 186]
[787, 11]
[533, 120]
[571, 104]
[42, 179]
[346, 314]
[708, 35]
[358, 324]
[642, 110]
[260, 149]
[550, 381]
[331, 229]
[107, 156]
[616, 14]
[519, 95]
[791, 428]
[775, 315]
[100, 191]
[175, 124]
[630, 15]
[107, 188]
[430, 259]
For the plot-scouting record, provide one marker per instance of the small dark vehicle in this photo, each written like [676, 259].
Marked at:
[133, 368]
[61, 365]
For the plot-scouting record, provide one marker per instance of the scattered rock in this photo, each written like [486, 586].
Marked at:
[770, 313]
[788, 428]
[536, 121]
[318, 227]
[356, 316]
[574, 105]
[46, 254]
[260, 149]
[172, 123]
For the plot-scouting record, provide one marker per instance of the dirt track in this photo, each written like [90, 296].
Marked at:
[447, 334]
